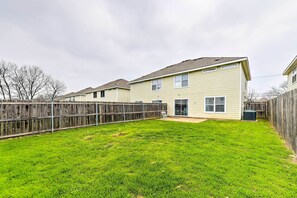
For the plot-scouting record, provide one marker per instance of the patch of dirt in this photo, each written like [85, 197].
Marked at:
[88, 137]
[119, 134]
[191, 120]
[109, 145]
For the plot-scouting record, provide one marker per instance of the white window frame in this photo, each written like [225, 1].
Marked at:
[214, 109]
[156, 81]
[294, 74]
[188, 107]
[210, 70]
[181, 75]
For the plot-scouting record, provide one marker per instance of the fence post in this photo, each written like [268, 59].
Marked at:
[96, 113]
[124, 113]
[52, 116]
[143, 110]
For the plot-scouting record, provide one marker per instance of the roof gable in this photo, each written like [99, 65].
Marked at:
[193, 65]
[291, 66]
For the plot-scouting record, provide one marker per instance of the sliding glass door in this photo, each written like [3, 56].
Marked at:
[181, 107]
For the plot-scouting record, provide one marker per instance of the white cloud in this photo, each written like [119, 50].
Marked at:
[86, 43]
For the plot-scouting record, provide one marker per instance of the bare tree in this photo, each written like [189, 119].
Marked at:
[5, 79]
[36, 81]
[27, 83]
[54, 88]
[251, 96]
[18, 83]
[277, 91]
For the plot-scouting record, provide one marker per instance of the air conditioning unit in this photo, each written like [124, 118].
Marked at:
[250, 115]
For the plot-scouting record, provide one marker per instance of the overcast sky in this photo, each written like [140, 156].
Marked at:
[87, 43]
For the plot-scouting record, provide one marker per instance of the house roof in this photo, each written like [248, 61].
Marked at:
[119, 83]
[78, 93]
[194, 65]
[291, 66]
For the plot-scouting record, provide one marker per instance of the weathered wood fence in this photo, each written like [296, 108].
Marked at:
[19, 118]
[282, 114]
[259, 107]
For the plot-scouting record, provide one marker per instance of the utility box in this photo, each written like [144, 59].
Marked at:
[250, 115]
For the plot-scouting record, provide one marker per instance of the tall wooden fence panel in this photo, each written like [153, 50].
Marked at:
[259, 107]
[282, 114]
[28, 117]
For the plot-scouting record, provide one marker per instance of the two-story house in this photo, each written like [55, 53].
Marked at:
[207, 87]
[114, 91]
[291, 72]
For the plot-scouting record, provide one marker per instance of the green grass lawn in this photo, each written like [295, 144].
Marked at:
[150, 159]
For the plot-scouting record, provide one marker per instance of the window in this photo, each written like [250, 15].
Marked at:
[215, 104]
[181, 81]
[213, 69]
[95, 95]
[181, 107]
[294, 75]
[102, 94]
[156, 101]
[157, 84]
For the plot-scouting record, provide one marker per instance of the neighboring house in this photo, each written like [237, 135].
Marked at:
[208, 87]
[77, 96]
[291, 72]
[115, 91]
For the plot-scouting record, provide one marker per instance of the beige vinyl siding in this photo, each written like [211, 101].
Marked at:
[75, 98]
[291, 85]
[123, 95]
[222, 82]
[111, 95]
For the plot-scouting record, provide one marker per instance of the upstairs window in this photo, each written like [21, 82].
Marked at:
[215, 104]
[157, 84]
[95, 95]
[181, 81]
[102, 94]
[294, 74]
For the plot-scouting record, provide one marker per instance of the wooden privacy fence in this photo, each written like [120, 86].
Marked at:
[259, 107]
[19, 118]
[282, 114]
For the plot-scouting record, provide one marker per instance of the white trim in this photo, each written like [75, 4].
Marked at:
[240, 92]
[181, 81]
[289, 67]
[191, 70]
[294, 71]
[174, 107]
[214, 105]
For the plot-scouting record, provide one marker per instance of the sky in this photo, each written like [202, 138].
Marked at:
[88, 43]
